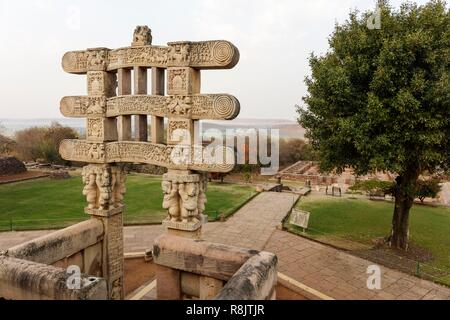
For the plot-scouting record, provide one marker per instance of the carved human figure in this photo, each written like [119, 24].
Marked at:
[119, 187]
[116, 289]
[90, 186]
[96, 106]
[189, 200]
[184, 52]
[104, 185]
[97, 59]
[97, 151]
[171, 199]
[202, 195]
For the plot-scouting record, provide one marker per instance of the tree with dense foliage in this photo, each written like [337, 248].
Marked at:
[42, 142]
[427, 189]
[379, 99]
[293, 150]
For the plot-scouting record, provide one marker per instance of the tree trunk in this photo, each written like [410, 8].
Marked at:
[404, 198]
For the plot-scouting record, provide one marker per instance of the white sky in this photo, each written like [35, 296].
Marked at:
[274, 37]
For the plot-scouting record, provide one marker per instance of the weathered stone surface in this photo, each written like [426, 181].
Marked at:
[255, 280]
[60, 244]
[104, 187]
[215, 54]
[11, 165]
[24, 280]
[101, 129]
[113, 256]
[168, 283]
[170, 156]
[200, 106]
[200, 257]
[108, 140]
[209, 287]
[184, 199]
[183, 81]
[190, 284]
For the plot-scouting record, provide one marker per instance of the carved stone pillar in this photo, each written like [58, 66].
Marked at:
[157, 133]
[124, 88]
[184, 199]
[104, 188]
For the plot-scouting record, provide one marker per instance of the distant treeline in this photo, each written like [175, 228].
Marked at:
[37, 143]
[42, 144]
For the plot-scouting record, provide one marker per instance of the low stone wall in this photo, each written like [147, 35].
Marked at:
[37, 269]
[60, 244]
[27, 280]
[195, 269]
[255, 280]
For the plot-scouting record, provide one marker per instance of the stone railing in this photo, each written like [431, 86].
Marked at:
[37, 269]
[23, 280]
[196, 269]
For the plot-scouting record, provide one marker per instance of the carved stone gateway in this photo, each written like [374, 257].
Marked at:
[109, 106]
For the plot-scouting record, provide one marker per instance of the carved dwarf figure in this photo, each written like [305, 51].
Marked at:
[171, 199]
[90, 186]
[119, 186]
[189, 200]
[104, 185]
[202, 194]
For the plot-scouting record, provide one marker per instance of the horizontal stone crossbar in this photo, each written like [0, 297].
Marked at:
[60, 244]
[215, 54]
[201, 106]
[205, 258]
[170, 156]
[27, 280]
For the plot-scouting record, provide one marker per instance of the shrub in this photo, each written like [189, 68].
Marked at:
[374, 187]
[42, 142]
[293, 150]
[427, 188]
[7, 145]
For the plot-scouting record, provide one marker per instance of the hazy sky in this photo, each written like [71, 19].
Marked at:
[274, 37]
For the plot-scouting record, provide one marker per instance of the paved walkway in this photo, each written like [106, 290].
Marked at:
[252, 226]
[331, 271]
[343, 276]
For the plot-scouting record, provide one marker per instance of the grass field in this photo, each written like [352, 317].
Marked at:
[363, 220]
[45, 203]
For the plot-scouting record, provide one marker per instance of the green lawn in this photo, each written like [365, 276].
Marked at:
[45, 203]
[363, 220]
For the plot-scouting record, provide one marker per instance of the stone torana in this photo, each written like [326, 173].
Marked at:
[117, 107]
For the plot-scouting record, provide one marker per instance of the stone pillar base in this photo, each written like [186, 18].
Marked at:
[104, 213]
[191, 229]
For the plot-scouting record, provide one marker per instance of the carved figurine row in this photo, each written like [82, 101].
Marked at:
[184, 197]
[104, 186]
[216, 54]
[183, 157]
[202, 106]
